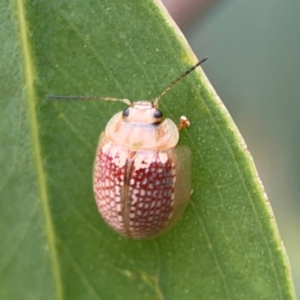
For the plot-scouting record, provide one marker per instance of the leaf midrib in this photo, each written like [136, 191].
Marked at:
[29, 75]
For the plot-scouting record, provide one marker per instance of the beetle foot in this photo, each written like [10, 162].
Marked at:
[183, 122]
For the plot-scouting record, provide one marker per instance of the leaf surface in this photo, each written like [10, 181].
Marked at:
[55, 245]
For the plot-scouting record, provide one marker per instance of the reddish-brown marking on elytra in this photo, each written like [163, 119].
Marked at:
[125, 195]
[151, 192]
[148, 204]
[108, 180]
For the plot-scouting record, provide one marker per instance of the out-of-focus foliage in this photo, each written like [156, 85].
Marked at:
[254, 65]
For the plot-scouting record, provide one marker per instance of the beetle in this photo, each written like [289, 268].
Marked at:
[141, 178]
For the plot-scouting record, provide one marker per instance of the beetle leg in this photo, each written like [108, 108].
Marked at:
[183, 122]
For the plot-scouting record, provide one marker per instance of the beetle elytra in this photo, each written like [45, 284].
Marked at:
[142, 178]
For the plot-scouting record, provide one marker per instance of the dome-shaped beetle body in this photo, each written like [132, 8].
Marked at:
[142, 181]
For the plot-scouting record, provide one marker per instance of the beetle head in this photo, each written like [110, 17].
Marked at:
[143, 112]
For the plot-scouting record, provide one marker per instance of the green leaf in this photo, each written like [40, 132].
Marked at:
[54, 243]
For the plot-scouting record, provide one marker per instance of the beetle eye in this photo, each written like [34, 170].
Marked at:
[157, 114]
[126, 112]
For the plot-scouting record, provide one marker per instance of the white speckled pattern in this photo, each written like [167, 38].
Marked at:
[150, 190]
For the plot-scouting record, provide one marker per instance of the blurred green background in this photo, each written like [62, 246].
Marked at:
[254, 65]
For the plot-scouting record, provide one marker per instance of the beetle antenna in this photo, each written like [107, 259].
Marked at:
[57, 97]
[155, 102]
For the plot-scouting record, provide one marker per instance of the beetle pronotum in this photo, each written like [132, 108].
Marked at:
[142, 178]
